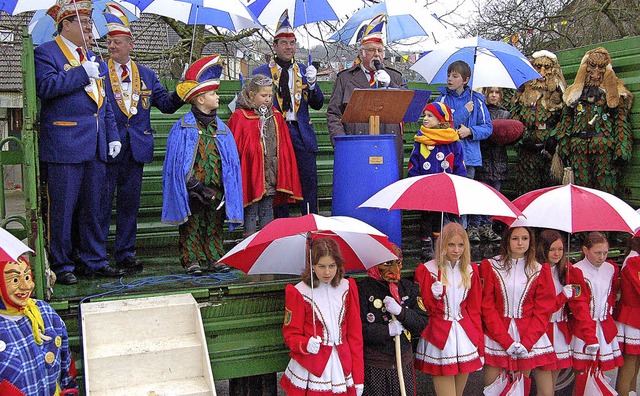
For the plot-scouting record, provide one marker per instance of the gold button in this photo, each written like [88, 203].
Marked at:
[49, 357]
[58, 341]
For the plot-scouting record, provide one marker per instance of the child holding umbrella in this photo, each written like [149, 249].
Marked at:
[601, 278]
[322, 328]
[390, 309]
[450, 346]
[627, 315]
[572, 297]
[518, 297]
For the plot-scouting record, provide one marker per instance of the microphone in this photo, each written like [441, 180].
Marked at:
[377, 64]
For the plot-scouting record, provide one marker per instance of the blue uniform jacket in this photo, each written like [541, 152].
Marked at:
[72, 127]
[311, 98]
[479, 121]
[452, 153]
[138, 126]
[182, 144]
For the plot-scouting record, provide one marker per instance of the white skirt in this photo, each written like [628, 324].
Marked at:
[609, 353]
[541, 354]
[628, 339]
[459, 355]
[562, 348]
[332, 380]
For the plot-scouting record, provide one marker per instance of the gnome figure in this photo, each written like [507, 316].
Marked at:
[538, 105]
[594, 134]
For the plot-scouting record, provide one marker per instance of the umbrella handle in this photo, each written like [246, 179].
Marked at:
[308, 260]
[567, 275]
[396, 339]
[444, 288]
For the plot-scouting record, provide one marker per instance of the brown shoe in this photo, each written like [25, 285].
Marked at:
[194, 269]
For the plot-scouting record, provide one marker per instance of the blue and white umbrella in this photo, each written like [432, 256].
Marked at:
[14, 7]
[302, 12]
[43, 28]
[404, 20]
[493, 63]
[228, 14]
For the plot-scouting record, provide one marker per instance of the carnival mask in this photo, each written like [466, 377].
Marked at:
[596, 66]
[544, 66]
[390, 271]
[17, 286]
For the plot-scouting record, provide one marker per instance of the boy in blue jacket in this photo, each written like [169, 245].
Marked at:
[471, 120]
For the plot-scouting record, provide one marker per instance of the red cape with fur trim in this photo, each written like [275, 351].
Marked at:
[245, 125]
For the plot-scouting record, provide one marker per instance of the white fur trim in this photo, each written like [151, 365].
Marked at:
[541, 53]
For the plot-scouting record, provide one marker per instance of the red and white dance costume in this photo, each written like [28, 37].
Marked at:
[452, 342]
[516, 309]
[339, 365]
[578, 307]
[603, 286]
[627, 312]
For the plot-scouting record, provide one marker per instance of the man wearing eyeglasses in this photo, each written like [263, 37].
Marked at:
[296, 91]
[77, 134]
[364, 75]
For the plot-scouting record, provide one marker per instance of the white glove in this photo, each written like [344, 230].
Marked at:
[592, 350]
[395, 328]
[312, 74]
[114, 148]
[359, 389]
[437, 289]
[567, 290]
[392, 305]
[382, 77]
[516, 349]
[92, 68]
[313, 345]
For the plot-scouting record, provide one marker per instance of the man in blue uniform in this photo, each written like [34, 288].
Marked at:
[132, 90]
[77, 133]
[296, 91]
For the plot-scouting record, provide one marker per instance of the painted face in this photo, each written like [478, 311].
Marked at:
[119, 47]
[455, 81]
[264, 96]
[596, 66]
[370, 52]
[454, 248]
[597, 254]
[285, 48]
[429, 120]
[519, 242]
[326, 269]
[390, 271]
[494, 96]
[556, 251]
[18, 284]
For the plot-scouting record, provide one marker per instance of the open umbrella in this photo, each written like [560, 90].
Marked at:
[42, 28]
[493, 63]
[11, 248]
[572, 209]
[443, 192]
[302, 12]
[14, 7]
[404, 19]
[281, 246]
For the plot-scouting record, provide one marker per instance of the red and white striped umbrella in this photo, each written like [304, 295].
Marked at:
[11, 248]
[572, 209]
[443, 192]
[281, 246]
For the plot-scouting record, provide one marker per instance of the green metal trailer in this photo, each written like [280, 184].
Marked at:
[242, 316]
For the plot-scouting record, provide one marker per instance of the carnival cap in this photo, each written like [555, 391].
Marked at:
[441, 111]
[284, 28]
[66, 8]
[202, 76]
[117, 21]
[373, 32]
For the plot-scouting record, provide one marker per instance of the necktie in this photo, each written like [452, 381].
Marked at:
[125, 74]
[81, 54]
[372, 81]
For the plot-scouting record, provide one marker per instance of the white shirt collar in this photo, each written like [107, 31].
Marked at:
[72, 47]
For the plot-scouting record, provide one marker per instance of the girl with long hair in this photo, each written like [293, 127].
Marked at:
[326, 351]
[627, 316]
[517, 302]
[572, 300]
[452, 343]
[601, 278]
